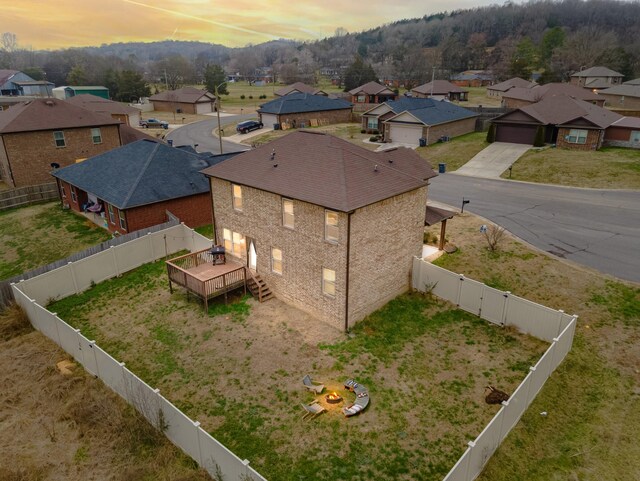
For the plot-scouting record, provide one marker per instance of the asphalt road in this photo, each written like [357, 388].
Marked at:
[596, 228]
[200, 133]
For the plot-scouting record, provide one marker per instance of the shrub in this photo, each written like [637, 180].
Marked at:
[374, 138]
[363, 131]
[538, 141]
[242, 97]
[251, 96]
[494, 235]
[13, 322]
[491, 134]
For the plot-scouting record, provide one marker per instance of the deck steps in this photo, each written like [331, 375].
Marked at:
[258, 287]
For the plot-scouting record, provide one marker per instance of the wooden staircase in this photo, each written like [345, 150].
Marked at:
[258, 287]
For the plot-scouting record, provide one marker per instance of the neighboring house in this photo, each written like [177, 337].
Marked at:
[635, 81]
[189, 100]
[299, 88]
[624, 132]
[472, 78]
[371, 93]
[128, 135]
[499, 89]
[439, 90]
[519, 97]
[408, 120]
[122, 112]
[68, 91]
[330, 226]
[596, 78]
[37, 133]
[625, 96]
[567, 122]
[304, 110]
[16, 83]
[135, 185]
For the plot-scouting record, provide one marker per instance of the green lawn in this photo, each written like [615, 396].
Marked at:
[238, 371]
[40, 234]
[455, 153]
[607, 168]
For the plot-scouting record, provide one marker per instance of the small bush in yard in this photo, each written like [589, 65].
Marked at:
[242, 97]
[494, 235]
[13, 322]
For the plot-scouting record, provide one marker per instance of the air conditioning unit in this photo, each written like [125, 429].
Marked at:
[65, 205]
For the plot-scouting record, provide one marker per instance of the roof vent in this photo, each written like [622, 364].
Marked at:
[391, 161]
[275, 165]
[49, 103]
[273, 154]
[375, 169]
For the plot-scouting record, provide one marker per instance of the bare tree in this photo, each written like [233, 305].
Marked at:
[494, 235]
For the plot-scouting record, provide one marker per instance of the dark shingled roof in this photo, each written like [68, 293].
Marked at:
[511, 83]
[141, 173]
[186, 95]
[298, 103]
[98, 104]
[6, 74]
[433, 215]
[50, 114]
[635, 81]
[627, 90]
[128, 135]
[429, 111]
[539, 92]
[440, 87]
[597, 72]
[324, 170]
[297, 87]
[370, 88]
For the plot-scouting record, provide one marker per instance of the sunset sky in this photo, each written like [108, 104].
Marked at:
[45, 24]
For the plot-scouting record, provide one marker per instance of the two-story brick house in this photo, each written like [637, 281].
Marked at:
[41, 132]
[330, 226]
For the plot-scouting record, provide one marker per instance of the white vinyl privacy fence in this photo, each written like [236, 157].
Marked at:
[505, 309]
[78, 276]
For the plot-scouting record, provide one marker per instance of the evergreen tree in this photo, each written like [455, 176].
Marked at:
[358, 73]
[491, 134]
[132, 86]
[538, 141]
[214, 76]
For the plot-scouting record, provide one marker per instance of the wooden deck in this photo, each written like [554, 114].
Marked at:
[197, 273]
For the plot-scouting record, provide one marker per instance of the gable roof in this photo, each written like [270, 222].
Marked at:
[297, 103]
[635, 81]
[440, 87]
[327, 171]
[185, 95]
[430, 111]
[511, 83]
[627, 122]
[6, 74]
[297, 87]
[141, 173]
[98, 104]
[370, 88]
[50, 114]
[128, 135]
[627, 90]
[597, 72]
[539, 92]
[559, 110]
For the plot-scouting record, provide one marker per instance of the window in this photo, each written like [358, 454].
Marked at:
[64, 192]
[329, 282]
[59, 139]
[233, 242]
[361, 99]
[123, 221]
[577, 136]
[112, 216]
[331, 226]
[74, 196]
[237, 197]
[287, 213]
[96, 136]
[276, 260]
[635, 136]
[372, 123]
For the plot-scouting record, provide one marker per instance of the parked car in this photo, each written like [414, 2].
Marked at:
[248, 126]
[154, 124]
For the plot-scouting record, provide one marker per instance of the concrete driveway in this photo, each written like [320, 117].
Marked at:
[493, 160]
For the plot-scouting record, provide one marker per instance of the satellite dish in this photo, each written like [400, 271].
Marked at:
[55, 165]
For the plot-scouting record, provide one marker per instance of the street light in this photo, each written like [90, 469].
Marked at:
[215, 90]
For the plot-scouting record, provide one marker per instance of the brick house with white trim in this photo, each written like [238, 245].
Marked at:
[330, 226]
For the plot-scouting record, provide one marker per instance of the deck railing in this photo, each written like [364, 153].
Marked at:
[178, 271]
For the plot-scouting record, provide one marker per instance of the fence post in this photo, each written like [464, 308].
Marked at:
[560, 316]
[92, 344]
[55, 321]
[245, 463]
[472, 446]
[196, 424]
[504, 307]
[459, 289]
[152, 254]
[115, 259]
[73, 277]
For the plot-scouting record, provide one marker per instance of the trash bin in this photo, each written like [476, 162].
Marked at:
[276, 126]
[170, 142]
[423, 142]
[442, 168]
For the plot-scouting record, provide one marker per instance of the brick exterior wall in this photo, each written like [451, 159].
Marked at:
[4, 164]
[30, 154]
[450, 129]
[304, 251]
[594, 140]
[332, 116]
[620, 137]
[384, 238]
[514, 103]
[162, 106]
[613, 101]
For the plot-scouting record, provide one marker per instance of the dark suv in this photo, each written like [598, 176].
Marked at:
[248, 126]
[153, 124]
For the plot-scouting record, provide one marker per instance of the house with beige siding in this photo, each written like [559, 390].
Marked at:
[330, 227]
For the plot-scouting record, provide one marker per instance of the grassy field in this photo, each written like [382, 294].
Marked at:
[72, 427]
[593, 399]
[37, 235]
[424, 362]
[607, 168]
[456, 152]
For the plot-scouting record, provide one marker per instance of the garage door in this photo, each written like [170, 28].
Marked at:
[268, 120]
[517, 134]
[204, 108]
[405, 134]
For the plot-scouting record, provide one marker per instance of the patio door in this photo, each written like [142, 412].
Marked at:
[252, 255]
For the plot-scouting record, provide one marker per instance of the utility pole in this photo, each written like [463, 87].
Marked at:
[215, 91]
[433, 76]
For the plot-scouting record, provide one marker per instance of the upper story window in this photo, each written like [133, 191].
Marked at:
[331, 226]
[58, 136]
[361, 99]
[288, 219]
[237, 197]
[577, 136]
[96, 136]
[74, 196]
